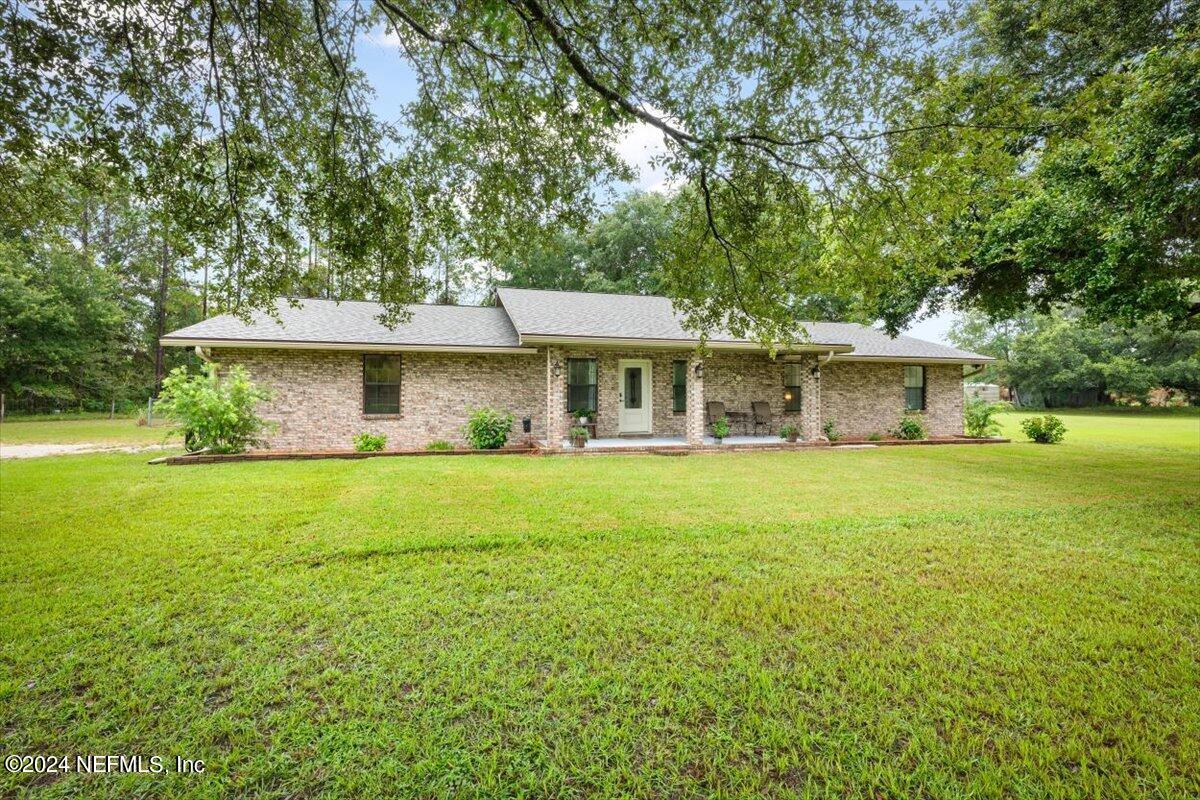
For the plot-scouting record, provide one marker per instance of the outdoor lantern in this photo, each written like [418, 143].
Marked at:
[556, 368]
[527, 425]
[787, 395]
[815, 371]
[699, 369]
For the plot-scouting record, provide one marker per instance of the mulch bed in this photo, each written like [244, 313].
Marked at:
[527, 449]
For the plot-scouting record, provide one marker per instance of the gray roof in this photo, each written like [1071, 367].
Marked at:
[352, 322]
[540, 312]
[522, 313]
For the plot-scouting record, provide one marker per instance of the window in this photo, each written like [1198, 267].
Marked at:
[381, 384]
[792, 375]
[679, 386]
[581, 384]
[914, 388]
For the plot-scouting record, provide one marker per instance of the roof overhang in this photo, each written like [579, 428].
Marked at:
[912, 359]
[674, 344]
[266, 344]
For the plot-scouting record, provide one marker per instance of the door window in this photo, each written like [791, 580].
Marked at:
[633, 387]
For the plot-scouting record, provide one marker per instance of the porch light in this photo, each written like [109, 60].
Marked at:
[787, 396]
[527, 425]
[815, 371]
[556, 368]
[699, 369]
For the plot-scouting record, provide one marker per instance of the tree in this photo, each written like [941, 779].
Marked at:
[1063, 359]
[248, 124]
[60, 328]
[620, 252]
[1092, 196]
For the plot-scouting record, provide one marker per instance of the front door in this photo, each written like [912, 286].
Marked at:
[633, 396]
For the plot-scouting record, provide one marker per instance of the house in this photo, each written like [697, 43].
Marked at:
[336, 371]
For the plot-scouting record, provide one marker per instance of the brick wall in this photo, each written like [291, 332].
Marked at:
[318, 394]
[866, 397]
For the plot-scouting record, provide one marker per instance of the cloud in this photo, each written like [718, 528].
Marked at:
[638, 145]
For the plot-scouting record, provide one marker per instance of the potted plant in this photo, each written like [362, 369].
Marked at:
[583, 415]
[789, 432]
[720, 429]
[579, 437]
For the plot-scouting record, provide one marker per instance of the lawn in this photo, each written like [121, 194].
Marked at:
[1001, 621]
[98, 430]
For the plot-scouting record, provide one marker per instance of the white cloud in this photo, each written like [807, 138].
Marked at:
[638, 145]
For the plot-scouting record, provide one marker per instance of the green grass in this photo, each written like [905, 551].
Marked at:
[118, 431]
[978, 621]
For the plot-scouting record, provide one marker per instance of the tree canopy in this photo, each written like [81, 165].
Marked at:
[1060, 358]
[893, 156]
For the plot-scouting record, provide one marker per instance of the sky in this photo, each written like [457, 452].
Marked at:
[394, 83]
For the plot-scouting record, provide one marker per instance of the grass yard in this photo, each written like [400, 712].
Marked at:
[999, 621]
[100, 430]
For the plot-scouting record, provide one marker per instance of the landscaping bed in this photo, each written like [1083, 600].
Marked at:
[303, 455]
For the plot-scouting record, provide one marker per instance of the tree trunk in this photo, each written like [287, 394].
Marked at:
[160, 314]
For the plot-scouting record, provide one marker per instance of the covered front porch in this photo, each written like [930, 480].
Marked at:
[669, 397]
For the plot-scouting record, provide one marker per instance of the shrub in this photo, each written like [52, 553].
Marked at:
[874, 436]
[578, 432]
[980, 420]
[1044, 430]
[788, 431]
[720, 428]
[439, 444]
[212, 411]
[830, 430]
[910, 427]
[487, 428]
[369, 442]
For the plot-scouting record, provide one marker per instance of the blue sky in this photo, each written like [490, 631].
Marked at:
[395, 85]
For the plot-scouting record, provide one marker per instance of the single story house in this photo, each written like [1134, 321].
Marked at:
[336, 371]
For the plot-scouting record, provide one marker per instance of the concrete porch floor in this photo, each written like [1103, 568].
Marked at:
[672, 441]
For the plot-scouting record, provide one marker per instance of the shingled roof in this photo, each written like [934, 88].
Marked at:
[351, 323]
[524, 319]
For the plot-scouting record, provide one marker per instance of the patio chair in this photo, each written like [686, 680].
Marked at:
[760, 410]
[713, 411]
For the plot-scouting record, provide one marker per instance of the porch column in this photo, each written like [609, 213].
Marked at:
[694, 422]
[556, 398]
[810, 399]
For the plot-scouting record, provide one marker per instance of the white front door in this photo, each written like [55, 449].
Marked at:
[633, 396]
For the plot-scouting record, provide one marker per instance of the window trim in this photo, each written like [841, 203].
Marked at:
[796, 389]
[595, 385]
[398, 384]
[924, 383]
[678, 404]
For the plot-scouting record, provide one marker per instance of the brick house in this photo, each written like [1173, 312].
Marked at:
[336, 371]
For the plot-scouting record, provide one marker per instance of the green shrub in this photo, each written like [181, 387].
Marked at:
[487, 428]
[788, 431]
[439, 444]
[910, 427]
[1044, 430]
[830, 430]
[578, 432]
[979, 418]
[720, 428]
[369, 442]
[874, 436]
[212, 411]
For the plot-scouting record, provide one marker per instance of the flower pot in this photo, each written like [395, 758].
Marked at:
[718, 439]
[579, 441]
[792, 437]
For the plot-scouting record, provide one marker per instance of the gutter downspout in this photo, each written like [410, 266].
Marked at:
[978, 369]
[203, 355]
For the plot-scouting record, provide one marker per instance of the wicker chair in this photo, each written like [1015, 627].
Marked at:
[713, 411]
[761, 412]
